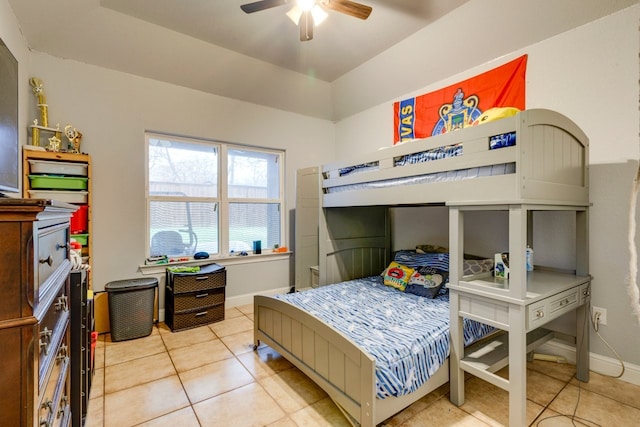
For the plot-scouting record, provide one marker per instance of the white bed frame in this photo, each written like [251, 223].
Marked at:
[331, 360]
[551, 158]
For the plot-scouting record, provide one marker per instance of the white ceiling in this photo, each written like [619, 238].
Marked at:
[213, 46]
[340, 44]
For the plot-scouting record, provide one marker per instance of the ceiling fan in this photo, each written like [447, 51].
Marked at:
[307, 13]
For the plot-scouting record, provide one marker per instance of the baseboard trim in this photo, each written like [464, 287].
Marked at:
[597, 363]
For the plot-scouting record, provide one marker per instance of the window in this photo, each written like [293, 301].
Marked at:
[212, 196]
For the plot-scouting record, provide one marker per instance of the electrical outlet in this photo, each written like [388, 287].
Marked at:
[602, 312]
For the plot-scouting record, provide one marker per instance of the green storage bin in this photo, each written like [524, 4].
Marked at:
[58, 182]
[83, 239]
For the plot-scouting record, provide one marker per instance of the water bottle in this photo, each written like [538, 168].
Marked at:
[529, 258]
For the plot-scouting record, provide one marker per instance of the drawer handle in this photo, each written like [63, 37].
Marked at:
[202, 295]
[47, 404]
[539, 314]
[202, 313]
[48, 260]
[586, 293]
[62, 353]
[44, 345]
[46, 333]
[202, 278]
[63, 406]
[45, 423]
[62, 304]
[61, 246]
[45, 338]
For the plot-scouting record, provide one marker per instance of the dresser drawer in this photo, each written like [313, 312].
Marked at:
[54, 396]
[53, 249]
[52, 329]
[193, 300]
[209, 277]
[196, 317]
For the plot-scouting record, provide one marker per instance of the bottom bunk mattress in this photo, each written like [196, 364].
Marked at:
[408, 335]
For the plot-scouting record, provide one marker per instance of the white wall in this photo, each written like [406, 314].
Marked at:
[591, 75]
[13, 39]
[113, 110]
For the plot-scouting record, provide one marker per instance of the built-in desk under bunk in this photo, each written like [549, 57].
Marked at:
[534, 161]
[520, 305]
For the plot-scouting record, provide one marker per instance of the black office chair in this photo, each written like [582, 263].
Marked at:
[170, 243]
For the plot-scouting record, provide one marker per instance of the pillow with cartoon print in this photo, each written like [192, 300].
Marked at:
[427, 281]
[397, 275]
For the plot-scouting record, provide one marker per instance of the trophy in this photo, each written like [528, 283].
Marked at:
[74, 137]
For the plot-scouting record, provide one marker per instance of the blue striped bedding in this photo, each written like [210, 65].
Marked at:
[408, 335]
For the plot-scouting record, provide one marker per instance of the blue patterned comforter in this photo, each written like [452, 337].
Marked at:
[408, 335]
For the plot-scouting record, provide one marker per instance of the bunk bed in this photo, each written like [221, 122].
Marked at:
[535, 158]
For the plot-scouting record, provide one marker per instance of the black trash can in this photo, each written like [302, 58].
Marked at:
[131, 307]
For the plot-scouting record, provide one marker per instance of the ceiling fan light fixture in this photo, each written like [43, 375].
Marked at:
[319, 15]
[295, 14]
[306, 5]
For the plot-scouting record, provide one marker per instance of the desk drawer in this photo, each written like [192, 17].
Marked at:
[53, 248]
[564, 302]
[555, 306]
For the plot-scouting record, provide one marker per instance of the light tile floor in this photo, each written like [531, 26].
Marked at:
[210, 376]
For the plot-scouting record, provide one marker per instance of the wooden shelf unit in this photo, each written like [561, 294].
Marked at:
[50, 156]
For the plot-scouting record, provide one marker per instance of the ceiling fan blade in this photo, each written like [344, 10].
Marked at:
[262, 5]
[348, 7]
[306, 26]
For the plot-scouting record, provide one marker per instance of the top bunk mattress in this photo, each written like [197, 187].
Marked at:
[536, 155]
[408, 335]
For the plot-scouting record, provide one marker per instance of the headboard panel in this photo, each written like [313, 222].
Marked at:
[354, 243]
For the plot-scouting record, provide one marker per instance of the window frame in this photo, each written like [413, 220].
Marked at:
[222, 201]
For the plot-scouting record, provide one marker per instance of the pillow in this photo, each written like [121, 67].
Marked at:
[397, 275]
[434, 249]
[475, 266]
[427, 282]
[414, 259]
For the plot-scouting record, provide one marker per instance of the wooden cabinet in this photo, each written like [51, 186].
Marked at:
[195, 298]
[34, 312]
[65, 177]
[522, 305]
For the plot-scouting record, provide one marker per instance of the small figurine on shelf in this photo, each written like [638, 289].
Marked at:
[38, 91]
[74, 137]
[54, 144]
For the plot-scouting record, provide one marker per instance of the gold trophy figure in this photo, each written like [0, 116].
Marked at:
[38, 91]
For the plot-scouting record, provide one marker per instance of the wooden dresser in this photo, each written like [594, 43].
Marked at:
[34, 312]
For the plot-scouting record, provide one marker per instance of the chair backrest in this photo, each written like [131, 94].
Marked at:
[167, 242]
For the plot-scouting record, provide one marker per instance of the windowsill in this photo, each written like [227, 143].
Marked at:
[222, 260]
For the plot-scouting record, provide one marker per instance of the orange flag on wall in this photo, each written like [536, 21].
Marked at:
[458, 105]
